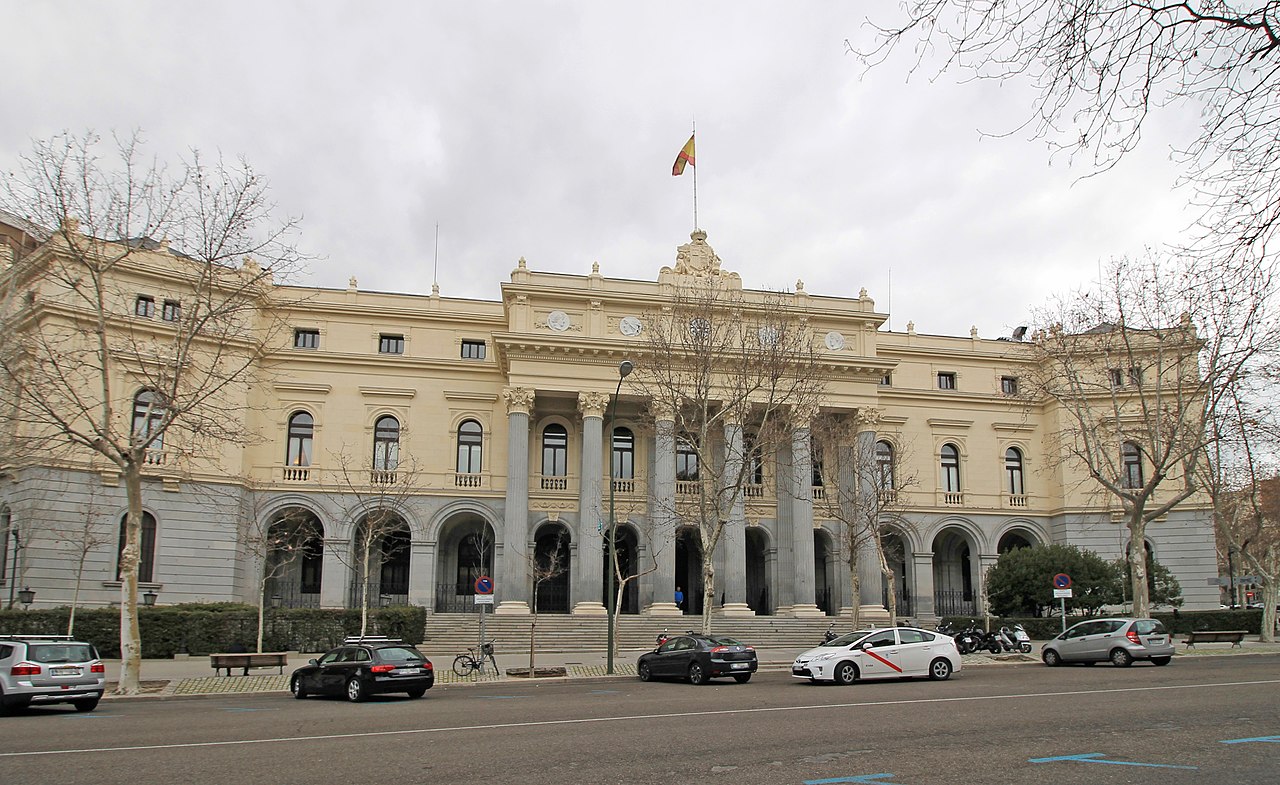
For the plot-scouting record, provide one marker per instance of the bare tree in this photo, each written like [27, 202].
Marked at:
[1103, 67]
[93, 533]
[381, 487]
[542, 567]
[1135, 372]
[86, 368]
[865, 489]
[719, 361]
[271, 544]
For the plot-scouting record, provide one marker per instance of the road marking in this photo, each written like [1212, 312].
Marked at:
[1271, 739]
[1096, 757]
[634, 718]
[872, 778]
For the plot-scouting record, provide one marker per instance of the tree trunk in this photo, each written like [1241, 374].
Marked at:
[75, 594]
[130, 635]
[533, 626]
[1138, 565]
[855, 586]
[708, 589]
[262, 597]
[364, 588]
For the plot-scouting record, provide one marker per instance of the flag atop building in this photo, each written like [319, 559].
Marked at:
[685, 157]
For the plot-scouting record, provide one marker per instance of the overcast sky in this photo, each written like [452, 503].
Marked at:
[548, 129]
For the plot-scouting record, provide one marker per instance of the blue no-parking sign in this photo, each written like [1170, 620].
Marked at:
[484, 585]
[1062, 581]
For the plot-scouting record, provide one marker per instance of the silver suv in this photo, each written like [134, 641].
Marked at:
[43, 669]
[1119, 640]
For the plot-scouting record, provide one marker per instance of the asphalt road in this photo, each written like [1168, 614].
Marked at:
[1178, 724]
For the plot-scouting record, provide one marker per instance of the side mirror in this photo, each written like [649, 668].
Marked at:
[866, 646]
[313, 661]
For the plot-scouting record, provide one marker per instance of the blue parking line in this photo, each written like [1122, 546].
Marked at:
[500, 697]
[1270, 739]
[872, 778]
[603, 692]
[92, 715]
[1096, 757]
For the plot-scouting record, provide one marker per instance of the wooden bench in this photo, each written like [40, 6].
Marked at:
[1234, 637]
[247, 660]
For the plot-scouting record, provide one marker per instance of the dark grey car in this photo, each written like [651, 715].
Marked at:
[1119, 641]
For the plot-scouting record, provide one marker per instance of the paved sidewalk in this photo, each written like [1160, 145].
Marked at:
[194, 676]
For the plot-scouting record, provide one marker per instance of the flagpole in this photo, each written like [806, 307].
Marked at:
[695, 182]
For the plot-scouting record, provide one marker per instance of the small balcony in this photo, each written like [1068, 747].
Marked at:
[753, 490]
[953, 498]
[551, 482]
[382, 477]
[688, 487]
[154, 457]
[819, 493]
[624, 486]
[296, 474]
[1015, 501]
[468, 480]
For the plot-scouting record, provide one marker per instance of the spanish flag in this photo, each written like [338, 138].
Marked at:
[685, 157]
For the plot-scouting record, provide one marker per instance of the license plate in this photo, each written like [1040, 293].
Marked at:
[65, 671]
[741, 665]
[408, 671]
[1155, 641]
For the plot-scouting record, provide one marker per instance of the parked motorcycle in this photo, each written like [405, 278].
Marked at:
[662, 636]
[830, 634]
[970, 639]
[1021, 639]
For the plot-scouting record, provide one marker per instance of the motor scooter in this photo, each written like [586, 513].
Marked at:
[1021, 639]
[662, 636]
[830, 634]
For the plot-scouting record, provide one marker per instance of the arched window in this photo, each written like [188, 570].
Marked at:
[148, 412]
[386, 444]
[686, 459]
[1132, 459]
[884, 465]
[301, 428]
[147, 547]
[624, 454]
[555, 451]
[470, 442]
[1013, 471]
[950, 468]
[754, 457]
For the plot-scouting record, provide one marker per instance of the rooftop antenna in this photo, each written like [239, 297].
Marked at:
[889, 298]
[435, 266]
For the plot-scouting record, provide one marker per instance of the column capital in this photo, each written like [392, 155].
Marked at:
[662, 411]
[593, 404]
[804, 415]
[519, 400]
[867, 418]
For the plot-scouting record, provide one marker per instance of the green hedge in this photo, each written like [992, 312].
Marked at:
[202, 629]
[1044, 628]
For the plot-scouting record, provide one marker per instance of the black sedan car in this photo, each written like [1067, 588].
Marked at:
[698, 658]
[361, 667]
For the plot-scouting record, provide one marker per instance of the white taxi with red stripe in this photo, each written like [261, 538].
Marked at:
[882, 653]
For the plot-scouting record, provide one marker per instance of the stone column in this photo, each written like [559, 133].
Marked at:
[781, 588]
[664, 515]
[733, 541]
[512, 583]
[422, 571]
[985, 562]
[802, 521]
[335, 575]
[922, 588]
[592, 524]
[871, 594]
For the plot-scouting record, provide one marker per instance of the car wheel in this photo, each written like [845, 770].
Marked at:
[643, 672]
[696, 674]
[1121, 658]
[1160, 660]
[846, 673]
[416, 692]
[355, 690]
[940, 670]
[88, 704]
[742, 678]
[1051, 658]
[295, 686]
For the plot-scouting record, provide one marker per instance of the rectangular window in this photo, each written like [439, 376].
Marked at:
[886, 380]
[144, 306]
[1009, 385]
[172, 311]
[306, 339]
[1117, 377]
[473, 350]
[1135, 376]
[946, 380]
[391, 344]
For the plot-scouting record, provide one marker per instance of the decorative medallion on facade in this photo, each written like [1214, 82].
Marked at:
[630, 326]
[558, 321]
[834, 341]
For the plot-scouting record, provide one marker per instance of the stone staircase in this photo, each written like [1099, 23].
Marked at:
[451, 633]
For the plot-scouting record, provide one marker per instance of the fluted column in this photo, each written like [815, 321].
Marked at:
[802, 521]
[733, 541]
[512, 587]
[664, 515]
[592, 523]
[847, 479]
[422, 571]
[335, 575]
[871, 593]
[922, 585]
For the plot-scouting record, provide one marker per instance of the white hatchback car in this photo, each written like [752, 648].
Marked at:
[882, 653]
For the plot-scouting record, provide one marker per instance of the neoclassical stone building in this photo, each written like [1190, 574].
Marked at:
[488, 429]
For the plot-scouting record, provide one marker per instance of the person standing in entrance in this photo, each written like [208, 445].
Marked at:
[679, 598]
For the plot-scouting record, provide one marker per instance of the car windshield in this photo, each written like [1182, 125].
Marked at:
[399, 654]
[726, 642]
[1148, 627]
[61, 652]
[848, 639]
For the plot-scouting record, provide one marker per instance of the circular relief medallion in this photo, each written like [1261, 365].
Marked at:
[630, 326]
[558, 321]
[835, 341]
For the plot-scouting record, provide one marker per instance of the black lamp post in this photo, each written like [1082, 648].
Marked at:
[26, 597]
[149, 597]
[13, 573]
[1231, 576]
[624, 369]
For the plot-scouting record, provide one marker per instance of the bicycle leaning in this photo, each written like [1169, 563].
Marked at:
[473, 660]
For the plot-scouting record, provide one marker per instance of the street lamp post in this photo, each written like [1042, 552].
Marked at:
[624, 369]
[13, 573]
[1231, 576]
